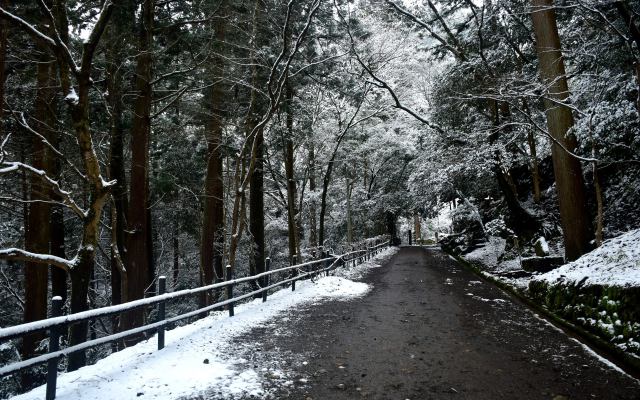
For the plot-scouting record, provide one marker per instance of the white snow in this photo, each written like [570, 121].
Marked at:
[180, 368]
[488, 254]
[360, 270]
[72, 97]
[615, 263]
[544, 246]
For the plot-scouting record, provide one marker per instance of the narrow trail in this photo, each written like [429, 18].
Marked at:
[430, 329]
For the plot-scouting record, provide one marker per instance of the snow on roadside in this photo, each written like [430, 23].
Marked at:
[360, 270]
[199, 356]
[489, 254]
[615, 263]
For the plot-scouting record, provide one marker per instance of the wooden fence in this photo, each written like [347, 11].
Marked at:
[58, 323]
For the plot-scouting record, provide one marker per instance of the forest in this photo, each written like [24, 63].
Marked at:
[147, 138]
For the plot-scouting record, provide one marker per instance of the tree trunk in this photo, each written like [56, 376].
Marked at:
[390, 220]
[535, 172]
[417, 228]
[256, 183]
[519, 219]
[38, 228]
[137, 248]
[80, 279]
[124, 18]
[176, 254]
[630, 18]
[212, 235]
[323, 202]
[294, 245]
[58, 276]
[349, 217]
[600, 205]
[151, 270]
[4, 33]
[313, 222]
[572, 197]
[256, 208]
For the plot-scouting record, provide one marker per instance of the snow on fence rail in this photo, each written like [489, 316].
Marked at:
[55, 325]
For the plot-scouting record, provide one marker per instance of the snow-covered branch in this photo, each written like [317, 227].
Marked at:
[47, 259]
[30, 29]
[53, 184]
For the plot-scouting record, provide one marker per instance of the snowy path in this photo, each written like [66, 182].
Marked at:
[198, 358]
[419, 327]
[430, 329]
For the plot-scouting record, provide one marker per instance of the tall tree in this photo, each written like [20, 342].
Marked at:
[572, 197]
[212, 234]
[38, 227]
[254, 115]
[138, 262]
[294, 242]
[123, 17]
[4, 36]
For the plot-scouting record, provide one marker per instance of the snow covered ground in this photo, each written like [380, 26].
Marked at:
[488, 256]
[200, 356]
[615, 263]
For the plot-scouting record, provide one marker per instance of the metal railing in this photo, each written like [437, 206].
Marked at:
[57, 323]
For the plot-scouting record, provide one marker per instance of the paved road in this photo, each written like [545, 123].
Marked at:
[430, 329]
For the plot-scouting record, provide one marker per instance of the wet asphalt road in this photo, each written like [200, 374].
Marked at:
[430, 329]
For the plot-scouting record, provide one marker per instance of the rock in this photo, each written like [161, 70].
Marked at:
[541, 247]
[206, 361]
[541, 264]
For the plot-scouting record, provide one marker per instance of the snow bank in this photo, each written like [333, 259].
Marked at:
[197, 357]
[489, 254]
[615, 263]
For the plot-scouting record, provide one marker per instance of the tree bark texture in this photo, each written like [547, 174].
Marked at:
[574, 215]
[137, 247]
[256, 183]
[38, 227]
[313, 220]
[294, 244]
[212, 235]
[119, 30]
[4, 34]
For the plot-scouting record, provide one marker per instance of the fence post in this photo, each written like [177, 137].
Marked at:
[294, 273]
[267, 266]
[162, 288]
[318, 266]
[230, 289]
[54, 345]
[327, 263]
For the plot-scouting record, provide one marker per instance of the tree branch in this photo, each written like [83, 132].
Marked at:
[54, 185]
[47, 259]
